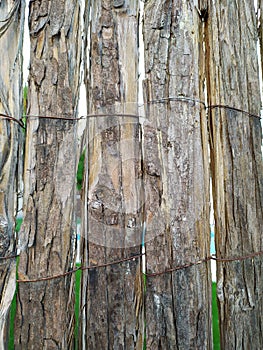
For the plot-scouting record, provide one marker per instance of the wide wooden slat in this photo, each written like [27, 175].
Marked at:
[237, 172]
[112, 296]
[45, 313]
[178, 311]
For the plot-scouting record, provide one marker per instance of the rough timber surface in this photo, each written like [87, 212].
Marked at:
[112, 296]
[237, 171]
[176, 179]
[45, 314]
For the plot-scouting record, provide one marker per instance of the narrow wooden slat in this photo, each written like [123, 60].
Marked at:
[11, 32]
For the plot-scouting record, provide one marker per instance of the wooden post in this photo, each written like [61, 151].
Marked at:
[112, 296]
[45, 314]
[237, 172]
[11, 33]
[178, 310]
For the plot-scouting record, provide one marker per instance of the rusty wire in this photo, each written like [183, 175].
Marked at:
[233, 109]
[80, 268]
[211, 257]
[187, 265]
[153, 274]
[10, 118]
[8, 257]
[162, 100]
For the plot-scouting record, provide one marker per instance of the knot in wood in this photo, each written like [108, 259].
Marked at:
[118, 3]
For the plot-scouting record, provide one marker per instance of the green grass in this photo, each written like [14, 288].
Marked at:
[11, 345]
[77, 303]
[216, 335]
[18, 224]
[80, 170]
[11, 340]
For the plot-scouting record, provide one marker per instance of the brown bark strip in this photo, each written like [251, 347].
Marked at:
[237, 169]
[178, 314]
[11, 32]
[111, 300]
[45, 315]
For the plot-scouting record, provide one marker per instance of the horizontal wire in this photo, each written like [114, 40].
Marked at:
[82, 268]
[174, 98]
[239, 258]
[234, 109]
[163, 100]
[180, 267]
[112, 115]
[31, 116]
[8, 117]
[9, 257]
[211, 257]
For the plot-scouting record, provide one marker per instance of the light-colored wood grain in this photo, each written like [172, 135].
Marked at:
[11, 32]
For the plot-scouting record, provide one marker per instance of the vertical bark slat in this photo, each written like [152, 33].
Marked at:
[112, 213]
[45, 314]
[178, 312]
[11, 33]
[237, 171]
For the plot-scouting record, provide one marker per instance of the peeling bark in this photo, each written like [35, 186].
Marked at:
[236, 170]
[178, 311]
[45, 314]
[11, 32]
[112, 198]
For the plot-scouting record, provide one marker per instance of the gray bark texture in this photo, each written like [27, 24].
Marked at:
[45, 312]
[237, 172]
[178, 311]
[112, 296]
[11, 32]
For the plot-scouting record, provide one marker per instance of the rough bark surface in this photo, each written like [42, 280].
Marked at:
[112, 296]
[11, 32]
[176, 178]
[236, 170]
[45, 314]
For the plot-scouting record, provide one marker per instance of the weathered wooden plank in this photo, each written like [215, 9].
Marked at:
[11, 32]
[45, 315]
[178, 314]
[112, 212]
[237, 170]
